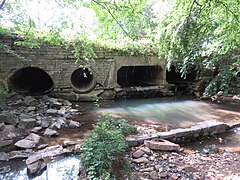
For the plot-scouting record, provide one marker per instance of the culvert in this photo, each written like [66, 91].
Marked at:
[30, 80]
[128, 76]
[83, 80]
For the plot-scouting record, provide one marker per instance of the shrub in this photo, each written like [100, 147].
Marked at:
[104, 150]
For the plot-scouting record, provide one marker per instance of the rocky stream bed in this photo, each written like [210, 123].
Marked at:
[29, 127]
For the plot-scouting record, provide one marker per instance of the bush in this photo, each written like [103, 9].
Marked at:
[104, 150]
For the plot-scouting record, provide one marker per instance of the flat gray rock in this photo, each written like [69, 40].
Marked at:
[33, 137]
[5, 142]
[26, 144]
[50, 132]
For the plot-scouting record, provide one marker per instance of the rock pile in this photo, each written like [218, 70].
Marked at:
[182, 164]
[42, 116]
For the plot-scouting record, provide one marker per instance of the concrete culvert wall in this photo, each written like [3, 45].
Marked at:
[128, 76]
[31, 80]
[83, 80]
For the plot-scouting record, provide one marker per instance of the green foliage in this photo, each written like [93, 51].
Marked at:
[83, 49]
[202, 34]
[195, 34]
[104, 150]
[2, 91]
[121, 19]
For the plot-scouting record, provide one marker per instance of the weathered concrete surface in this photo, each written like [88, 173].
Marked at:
[59, 64]
[182, 134]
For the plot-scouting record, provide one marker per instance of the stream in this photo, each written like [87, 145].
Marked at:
[171, 112]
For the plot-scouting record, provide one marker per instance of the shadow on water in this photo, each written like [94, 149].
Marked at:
[63, 168]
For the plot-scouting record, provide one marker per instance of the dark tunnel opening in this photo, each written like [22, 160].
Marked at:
[174, 77]
[83, 80]
[129, 76]
[181, 84]
[31, 80]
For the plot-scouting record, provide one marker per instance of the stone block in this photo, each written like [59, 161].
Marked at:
[161, 144]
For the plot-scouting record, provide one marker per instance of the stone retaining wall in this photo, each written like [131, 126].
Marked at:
[180, 135]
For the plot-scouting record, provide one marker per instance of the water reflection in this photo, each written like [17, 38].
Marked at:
[64, 168]
[177, 113]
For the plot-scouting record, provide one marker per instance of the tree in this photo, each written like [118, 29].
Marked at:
[204, 34]
[197, 34]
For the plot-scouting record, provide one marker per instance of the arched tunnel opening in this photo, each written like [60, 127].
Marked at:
[129, 76]
[31, 80]
[83, 80]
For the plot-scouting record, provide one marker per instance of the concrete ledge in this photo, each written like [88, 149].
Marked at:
[182, 134]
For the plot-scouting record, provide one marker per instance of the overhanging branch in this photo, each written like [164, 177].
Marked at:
[2, 4]
[103, 4]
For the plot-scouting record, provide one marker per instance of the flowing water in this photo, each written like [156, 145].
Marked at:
[63, 168]
[174, 113]
[170, 112]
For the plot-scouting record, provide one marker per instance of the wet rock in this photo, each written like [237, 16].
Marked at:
[138, 154]
[154, 175]
[140, 160]
[27, 123]
[52, 111]
[2, 126]
[4, 156]
[50, 132]
[74, 124]
[7, 117]
[35, 164]
[5, 142]
[161, 144]
[26, 144]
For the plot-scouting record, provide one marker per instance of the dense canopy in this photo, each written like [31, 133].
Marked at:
[200, 35]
